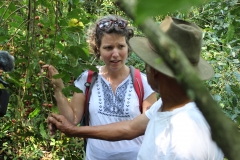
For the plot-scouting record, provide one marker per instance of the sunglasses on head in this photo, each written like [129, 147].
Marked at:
[105, 24]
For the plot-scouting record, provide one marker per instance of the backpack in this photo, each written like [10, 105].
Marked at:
[92, 77]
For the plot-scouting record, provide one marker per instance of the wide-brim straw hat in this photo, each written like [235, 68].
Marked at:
[189, 38]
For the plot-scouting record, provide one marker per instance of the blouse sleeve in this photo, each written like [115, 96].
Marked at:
[154, 109]
[147, 88]
[81, 80]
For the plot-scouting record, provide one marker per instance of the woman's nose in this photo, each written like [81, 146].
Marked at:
[115, 52]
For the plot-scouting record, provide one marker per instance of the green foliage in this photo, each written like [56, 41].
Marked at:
[155, 8]
[41, 35]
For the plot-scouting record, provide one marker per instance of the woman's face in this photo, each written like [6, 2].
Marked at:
[113, 51]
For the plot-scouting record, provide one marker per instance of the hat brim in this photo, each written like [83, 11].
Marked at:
[140, 46]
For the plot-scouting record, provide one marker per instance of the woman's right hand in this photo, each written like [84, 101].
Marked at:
[51, 71]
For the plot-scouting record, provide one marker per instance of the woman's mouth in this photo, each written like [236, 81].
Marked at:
[115, 61]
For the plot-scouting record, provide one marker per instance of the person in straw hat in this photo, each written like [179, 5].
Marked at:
[174, 127]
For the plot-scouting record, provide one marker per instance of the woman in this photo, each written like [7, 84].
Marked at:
[113, 97]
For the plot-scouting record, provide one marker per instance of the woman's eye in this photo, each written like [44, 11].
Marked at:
[108, 48]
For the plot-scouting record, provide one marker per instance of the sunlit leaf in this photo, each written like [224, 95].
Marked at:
[53, 142]
[34, 113]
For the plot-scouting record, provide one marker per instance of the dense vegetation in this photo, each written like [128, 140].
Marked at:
[41, 32]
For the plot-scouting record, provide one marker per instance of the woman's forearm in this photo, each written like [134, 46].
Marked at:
[111, 132]
[124, 130]
[64, 106]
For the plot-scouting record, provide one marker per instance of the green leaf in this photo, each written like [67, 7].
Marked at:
[60, 46]
[13, 24]
[21, 60]
[233, 2]
[26, 49]
[12, 7]
[217, 75]
[67, 90]
[63, 23]
[44, 3]
[53, 142]
[75, 29]
[34, 113]
[77, 52]
[230, 32]
[90, 67]
[3, 38]
[18, 18]
[235, 90]
[237, 75]
[15, 82]
[74, 13]
[60, 75]
[77, 71]
[66, 77]
[162, 7]
[42, 131]
[228, 89]
[217, 98]
[234, 101]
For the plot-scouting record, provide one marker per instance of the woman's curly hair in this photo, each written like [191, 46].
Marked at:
[95, 34]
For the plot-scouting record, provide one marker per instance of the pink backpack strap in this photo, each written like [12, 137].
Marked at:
[92, 76]
[138, 85]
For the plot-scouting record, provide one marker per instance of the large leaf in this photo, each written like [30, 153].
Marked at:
[14, 24]
[162, 7]
[77, 52]
[67, 90]
[17, 18]
[74, 13]
[12, 7]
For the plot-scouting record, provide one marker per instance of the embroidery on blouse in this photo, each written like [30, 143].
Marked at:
[111, 105]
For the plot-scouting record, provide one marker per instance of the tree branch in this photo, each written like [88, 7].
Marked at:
[224, 131]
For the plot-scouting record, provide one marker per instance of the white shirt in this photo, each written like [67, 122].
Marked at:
[181, 134]
[107, 107]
